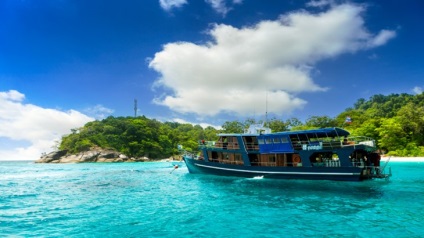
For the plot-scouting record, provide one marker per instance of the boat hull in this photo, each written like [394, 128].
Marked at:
[307, 173]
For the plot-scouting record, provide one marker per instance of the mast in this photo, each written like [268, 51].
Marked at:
[135, 107]
[266, 109]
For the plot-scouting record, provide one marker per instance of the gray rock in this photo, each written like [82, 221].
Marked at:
[52, 157]
[93, 155]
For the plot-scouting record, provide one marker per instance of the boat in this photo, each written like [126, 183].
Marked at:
[316, 154]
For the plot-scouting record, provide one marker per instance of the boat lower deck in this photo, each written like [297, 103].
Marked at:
[310, 173]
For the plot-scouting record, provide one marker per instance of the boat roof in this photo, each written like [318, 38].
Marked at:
[238, 134]
[322, 132]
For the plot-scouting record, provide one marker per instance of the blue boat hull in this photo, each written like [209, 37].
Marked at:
[307, 173]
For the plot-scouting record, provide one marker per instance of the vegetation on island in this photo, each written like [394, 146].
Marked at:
[395, 121]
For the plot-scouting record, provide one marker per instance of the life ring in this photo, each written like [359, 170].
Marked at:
[296, 158]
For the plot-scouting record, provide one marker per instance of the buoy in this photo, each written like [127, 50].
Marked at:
[296, 158]
[175, 167]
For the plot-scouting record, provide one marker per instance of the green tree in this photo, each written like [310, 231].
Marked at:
[277, 125]
[293, 123]
[392, 137]
[233, 127]
[320, 122]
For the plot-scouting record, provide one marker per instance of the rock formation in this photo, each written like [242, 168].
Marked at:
[91, 156]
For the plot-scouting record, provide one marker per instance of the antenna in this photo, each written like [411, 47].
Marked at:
[135, 107]
[266, 109]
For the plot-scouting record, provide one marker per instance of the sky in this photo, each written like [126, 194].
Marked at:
[64, 63]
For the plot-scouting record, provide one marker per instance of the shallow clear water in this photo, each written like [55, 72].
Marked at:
[151, 200]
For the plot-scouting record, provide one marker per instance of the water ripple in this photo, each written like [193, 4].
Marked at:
[146, 200]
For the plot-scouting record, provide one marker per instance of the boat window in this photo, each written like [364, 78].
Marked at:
[238, 159]
[324, 159]
[276, 140]
[269, 140]
[284, 140]
[261, 141]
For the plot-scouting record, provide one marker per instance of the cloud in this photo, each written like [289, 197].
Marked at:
[382, 38]
[417, 90]
[32, 129]
[320, 3]
[167, 5]
[99, 111]
[203, 125]
[221, 7]
[240, 67]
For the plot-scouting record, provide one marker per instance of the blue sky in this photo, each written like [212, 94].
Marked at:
[66, 62]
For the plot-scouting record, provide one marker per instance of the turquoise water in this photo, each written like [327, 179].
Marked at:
[151, 200]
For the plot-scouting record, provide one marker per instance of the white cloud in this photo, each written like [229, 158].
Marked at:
[203, 125]
[320, 3]
[221, 6]
[235, 71]
[382, 38]
[99, 111]
[38, 127]
[417, 90]
[12, 95]
[167, 5]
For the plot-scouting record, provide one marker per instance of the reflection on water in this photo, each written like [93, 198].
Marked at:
[293, 188]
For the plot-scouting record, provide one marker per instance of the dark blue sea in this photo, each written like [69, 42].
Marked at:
[152, 200]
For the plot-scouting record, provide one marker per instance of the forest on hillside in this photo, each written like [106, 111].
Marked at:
[395, 121]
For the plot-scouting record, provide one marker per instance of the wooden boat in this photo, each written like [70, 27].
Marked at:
[319, 154]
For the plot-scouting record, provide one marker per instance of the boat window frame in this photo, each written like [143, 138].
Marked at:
[284, 140]
[268, 140]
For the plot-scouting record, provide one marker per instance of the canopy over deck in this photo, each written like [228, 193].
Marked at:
[322, 132]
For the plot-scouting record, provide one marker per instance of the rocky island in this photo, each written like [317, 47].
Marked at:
[90, 156]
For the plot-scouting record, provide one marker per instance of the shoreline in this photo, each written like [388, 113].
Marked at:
[383, 159]
[402, 159]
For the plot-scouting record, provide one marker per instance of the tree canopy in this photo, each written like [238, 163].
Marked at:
[395, 121]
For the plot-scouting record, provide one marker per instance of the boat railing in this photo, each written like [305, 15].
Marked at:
[252, 146]
[377, 172]
[189, 154]
[226, 161]
[275, 164]
[328, 143]
[332, 144]
[219, 144]
[267, 164]
[209, 144]
[359, 140]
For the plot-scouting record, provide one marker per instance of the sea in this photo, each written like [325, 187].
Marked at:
[153, 199]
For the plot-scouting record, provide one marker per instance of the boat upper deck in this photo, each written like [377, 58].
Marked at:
[290, 141]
